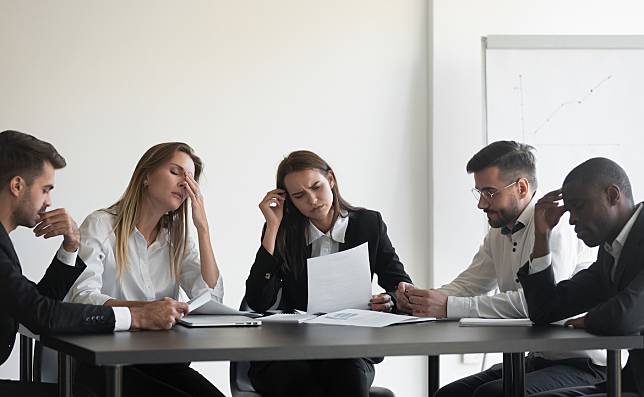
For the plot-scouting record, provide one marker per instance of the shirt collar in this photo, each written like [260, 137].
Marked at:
[524, 217]
[336, 233]
[162, 236]
[616, 247]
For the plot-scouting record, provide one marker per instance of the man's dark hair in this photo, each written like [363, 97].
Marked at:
[601, 172]
[514, 160]
[24, 155]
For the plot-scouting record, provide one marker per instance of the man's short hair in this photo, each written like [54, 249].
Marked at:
[514, 160]
[24, 155]
[600, 173]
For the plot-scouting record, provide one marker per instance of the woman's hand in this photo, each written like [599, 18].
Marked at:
[209, 268]
[199, 217]
[272, 207]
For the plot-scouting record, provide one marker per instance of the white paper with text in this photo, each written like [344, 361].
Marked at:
[339, 281]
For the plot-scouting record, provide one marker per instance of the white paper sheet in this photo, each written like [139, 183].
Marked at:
[495, 322]
[198, 301]
[364, 318]
[339, 281]
[214, 307]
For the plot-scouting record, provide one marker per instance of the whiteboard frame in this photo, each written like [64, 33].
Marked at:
[549, 42]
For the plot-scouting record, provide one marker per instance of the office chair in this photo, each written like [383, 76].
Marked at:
[240, 385]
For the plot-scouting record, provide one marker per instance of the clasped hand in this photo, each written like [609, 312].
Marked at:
[421, 302]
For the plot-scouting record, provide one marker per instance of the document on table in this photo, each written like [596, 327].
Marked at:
[365, 318]
[339, 281]
[495, 322]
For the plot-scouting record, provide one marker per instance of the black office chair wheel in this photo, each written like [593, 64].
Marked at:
[380, 392]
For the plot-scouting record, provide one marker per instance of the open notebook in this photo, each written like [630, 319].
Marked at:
[291, 318]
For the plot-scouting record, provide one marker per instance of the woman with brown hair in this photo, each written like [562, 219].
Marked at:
[307, 217]
[139, 250]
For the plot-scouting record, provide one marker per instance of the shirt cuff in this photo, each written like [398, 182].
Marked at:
[68, 258]
[540, 264]
[122, 318]
[458, 306]
[217, 292]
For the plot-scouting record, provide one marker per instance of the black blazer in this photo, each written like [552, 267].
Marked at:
[38, 306]
[266, 276]
[615, 307]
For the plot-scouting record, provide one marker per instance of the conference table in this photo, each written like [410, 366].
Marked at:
[310, 341]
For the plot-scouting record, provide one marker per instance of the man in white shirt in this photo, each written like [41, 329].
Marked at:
[505, 187]
[27, 168]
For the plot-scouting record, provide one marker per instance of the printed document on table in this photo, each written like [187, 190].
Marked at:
[339, 281]
[365, 318]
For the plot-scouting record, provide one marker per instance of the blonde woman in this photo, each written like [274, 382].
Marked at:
[139, 251]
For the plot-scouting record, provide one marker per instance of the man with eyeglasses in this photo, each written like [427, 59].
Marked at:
[505, 189]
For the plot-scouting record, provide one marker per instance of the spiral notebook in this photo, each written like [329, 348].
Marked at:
[289, 318]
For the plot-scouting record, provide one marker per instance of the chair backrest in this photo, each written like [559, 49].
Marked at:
[240, 385]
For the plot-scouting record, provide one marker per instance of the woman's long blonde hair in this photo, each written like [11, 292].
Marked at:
[127, 209]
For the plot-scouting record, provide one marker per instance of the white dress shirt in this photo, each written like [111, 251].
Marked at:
[147, 275]
[329, 242]
[122, 317]
[495, 265]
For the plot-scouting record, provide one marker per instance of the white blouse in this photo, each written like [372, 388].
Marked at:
[147, 275]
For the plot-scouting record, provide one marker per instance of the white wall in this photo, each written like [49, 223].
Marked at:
[244, 82]
[457, 133]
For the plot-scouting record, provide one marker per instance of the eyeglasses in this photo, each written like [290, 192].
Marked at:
[488, 194]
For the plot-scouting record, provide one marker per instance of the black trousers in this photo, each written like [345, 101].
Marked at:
[314, 378]
[153, 380]
[541, 375]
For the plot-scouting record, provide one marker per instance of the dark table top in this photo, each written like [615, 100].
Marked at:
[308, 341]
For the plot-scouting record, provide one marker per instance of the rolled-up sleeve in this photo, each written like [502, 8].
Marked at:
[191, 278]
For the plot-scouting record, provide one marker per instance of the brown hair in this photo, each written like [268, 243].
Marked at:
[24, 155]
[514, 160]
[127, 209]
[291, 235]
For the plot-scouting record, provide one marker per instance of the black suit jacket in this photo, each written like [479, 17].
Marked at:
[614, 306]
[38, 306]
[266, 276]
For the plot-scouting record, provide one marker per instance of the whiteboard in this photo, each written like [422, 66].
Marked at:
[571, 97]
